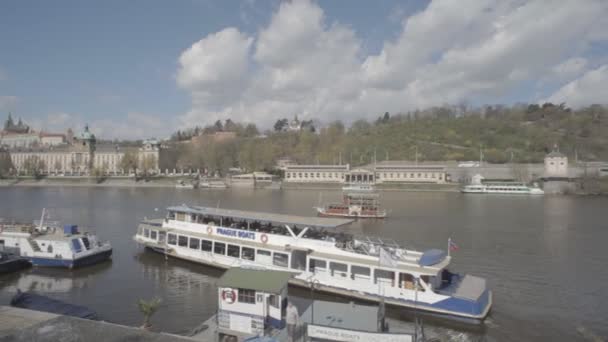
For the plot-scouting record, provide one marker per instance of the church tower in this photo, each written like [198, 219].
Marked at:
[87, 145]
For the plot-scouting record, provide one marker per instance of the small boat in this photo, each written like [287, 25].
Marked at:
[32, 301]
[354, 205]
[184, 185]
[46, 243]
[10, 262]
[212, 184]
[355, 187]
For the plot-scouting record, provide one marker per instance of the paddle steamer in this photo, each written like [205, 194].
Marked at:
[317, 253]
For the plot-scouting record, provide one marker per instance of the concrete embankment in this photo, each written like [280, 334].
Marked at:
[89, 182]
[27, 325]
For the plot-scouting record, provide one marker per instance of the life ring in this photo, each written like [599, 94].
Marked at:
[264, 238]
[209, 230]
[228, 296]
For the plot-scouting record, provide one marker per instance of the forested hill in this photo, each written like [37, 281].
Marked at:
[521, 133]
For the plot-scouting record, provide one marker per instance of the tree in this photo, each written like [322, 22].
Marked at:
[230, 126]
[218, 126]
[251, 131]
[280, 125]
[129, 161]
[6, 165]
[148, 165]
[34, 166]
[148, 308]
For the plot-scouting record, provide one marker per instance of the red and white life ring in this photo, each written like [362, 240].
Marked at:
[209, 230]
[264, 238]
[228, 296]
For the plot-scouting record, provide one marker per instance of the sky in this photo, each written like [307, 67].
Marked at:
[138, 69]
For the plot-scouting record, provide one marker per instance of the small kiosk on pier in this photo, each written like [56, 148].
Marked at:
[251, 302]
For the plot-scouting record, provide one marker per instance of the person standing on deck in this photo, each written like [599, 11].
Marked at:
[292, 321]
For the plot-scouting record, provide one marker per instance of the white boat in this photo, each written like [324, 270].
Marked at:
[47, 243]
[184, 185]
[310, 247]
[354, 187]
[212, 184]
[502, 188]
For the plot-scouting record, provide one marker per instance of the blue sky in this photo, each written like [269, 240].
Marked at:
[117, 64]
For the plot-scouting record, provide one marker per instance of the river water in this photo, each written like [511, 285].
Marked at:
[545, 258]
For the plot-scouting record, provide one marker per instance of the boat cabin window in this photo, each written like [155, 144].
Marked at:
[280, 259]
[86, 243]
[248, 253]
[180, 216]
[234, 251]
[384, 277]
[406, 281]
[172, 239]
[246, 296]
[273, 300]
[171, 215]
[194, 243]
[219, 248]
[359, 272]
[182, 241]
[49, 249]
[317, 265]
[206, 245]
[162, 236]
[338, 269]
[146, 232]
[298, 260]
[153, 234]
[192, 217]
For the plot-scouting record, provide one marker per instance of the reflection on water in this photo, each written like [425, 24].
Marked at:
[542, 256]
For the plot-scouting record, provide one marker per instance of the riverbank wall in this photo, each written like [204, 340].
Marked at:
[18, 324]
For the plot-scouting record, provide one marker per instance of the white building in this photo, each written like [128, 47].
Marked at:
[384, 172]
[556, 164]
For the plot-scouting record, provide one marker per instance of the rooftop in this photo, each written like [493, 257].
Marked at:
[253, 279]
[263, 217]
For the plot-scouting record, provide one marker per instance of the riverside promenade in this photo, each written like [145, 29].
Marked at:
[27, 325]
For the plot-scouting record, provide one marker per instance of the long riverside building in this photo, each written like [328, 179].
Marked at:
[383, 172]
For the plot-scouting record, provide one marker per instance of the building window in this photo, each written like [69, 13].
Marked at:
[206, 245]
[246, 296]
[318, 175]
[288, 174]
[182, 241]
[280, 259]
[194, 243]
[172, 239]
[219, 248]
[234, 251]
[248, 253]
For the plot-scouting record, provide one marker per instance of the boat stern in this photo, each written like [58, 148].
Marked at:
[469, 297]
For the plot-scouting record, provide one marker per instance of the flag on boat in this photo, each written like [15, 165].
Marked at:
[452, 246]
[386, 259]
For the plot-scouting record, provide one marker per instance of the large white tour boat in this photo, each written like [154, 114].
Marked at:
[502, 188]
[47, 243]
[312, 248]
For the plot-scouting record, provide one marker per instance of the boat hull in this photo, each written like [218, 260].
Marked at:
[452, 308]
[72, 263]
[13, 265]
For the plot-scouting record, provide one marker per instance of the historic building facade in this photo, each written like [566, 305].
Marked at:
[384, 172]
[20, 135]
[82, 154]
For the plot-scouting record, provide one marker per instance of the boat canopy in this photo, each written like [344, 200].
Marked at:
[252, 216]
[432, 257]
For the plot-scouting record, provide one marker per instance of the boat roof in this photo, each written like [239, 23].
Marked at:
[263, 217]
[255, 279]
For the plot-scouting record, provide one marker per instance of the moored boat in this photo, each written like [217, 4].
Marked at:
[10, 262]
[47, 243]
[354, 205]
[312, 248]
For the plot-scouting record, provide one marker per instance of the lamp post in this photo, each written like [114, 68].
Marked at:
[313, 283]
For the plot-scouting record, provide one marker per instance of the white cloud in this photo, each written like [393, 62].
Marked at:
[586, 90]
[8, 102]
[300, 63]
